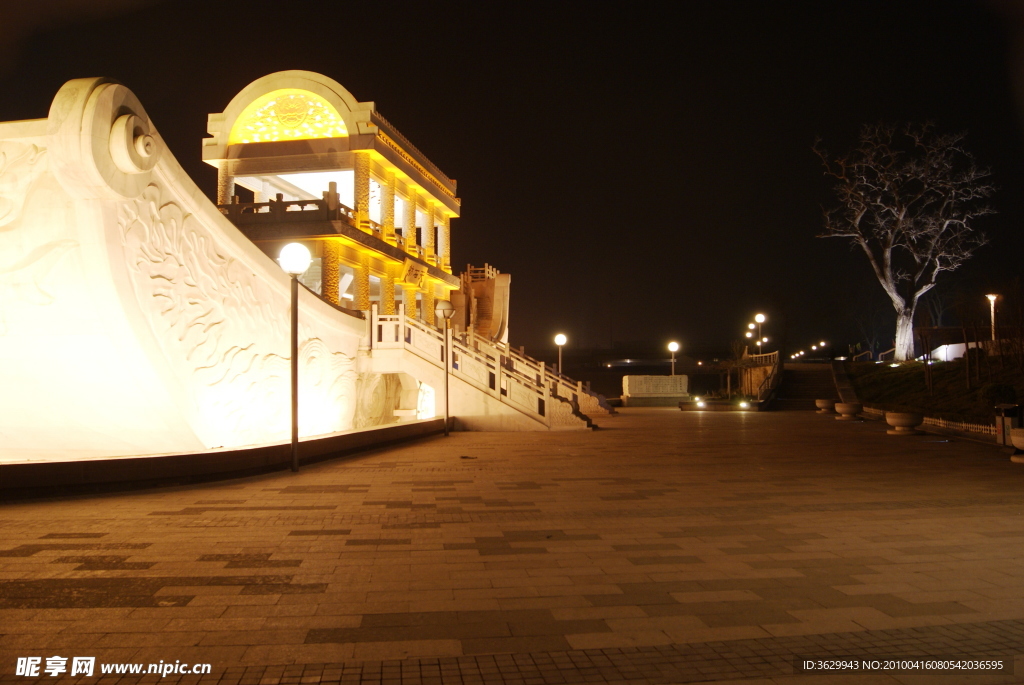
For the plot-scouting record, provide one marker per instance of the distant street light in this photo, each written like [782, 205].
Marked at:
[749, 334]
[992, 304]
[445, 310]
[560, 340]
[673, 347]
[760, 319]
[295, 259]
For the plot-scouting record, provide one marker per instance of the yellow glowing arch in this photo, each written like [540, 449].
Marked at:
[287, 114]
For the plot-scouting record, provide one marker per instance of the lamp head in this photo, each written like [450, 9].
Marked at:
[673, 347]
[751, 326]
[560, 339]
[991, 298]
[294, 259]
[444, 309]
[760, 318]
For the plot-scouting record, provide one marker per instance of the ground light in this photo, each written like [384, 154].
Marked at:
[295, 259]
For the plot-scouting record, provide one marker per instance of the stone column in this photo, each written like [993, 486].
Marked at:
[445, 248]
[362, 191]
[363, 284]
[429, 245]
[410, 223]
[330, 271]
[409, 293]
[387, 292]
[428, 305]
[387, 210]
[225, 184]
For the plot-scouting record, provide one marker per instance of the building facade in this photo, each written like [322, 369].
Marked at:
[317, 166]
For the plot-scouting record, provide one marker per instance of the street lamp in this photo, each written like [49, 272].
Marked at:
[295, 259]
[673, 347]
[560, 340]
[760, 319]
[445, 310]
[992, 304]
[749, 334]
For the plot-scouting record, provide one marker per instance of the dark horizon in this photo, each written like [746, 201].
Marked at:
[643, 178]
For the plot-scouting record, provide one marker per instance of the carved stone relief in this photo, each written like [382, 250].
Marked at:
[220, 329]
[20, 164]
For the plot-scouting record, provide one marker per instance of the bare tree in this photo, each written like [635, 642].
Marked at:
[909, 199]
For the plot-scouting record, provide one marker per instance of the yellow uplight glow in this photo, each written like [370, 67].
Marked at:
[287, 114]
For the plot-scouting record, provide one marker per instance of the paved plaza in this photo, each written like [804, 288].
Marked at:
[666, 547]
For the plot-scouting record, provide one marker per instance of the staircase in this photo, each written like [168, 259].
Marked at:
[804, 383]
[527, 386]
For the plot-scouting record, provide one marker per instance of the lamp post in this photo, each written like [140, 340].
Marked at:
[295, 259]
[673, 347]
[760, 319]
[560, 340]
[445, 310]
[992, 305]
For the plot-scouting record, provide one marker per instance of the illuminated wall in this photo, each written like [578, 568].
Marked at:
[134, 317]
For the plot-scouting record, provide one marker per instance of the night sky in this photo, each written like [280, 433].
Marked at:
[643, 171]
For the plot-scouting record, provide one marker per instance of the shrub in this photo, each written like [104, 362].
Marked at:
[992, 394]
[976, 354]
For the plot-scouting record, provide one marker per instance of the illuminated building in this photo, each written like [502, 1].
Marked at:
[328, 170]
[139, 318]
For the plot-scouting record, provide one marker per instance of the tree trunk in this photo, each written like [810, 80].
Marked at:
[904, 334]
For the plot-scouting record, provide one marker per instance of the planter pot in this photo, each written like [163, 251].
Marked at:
[825, 406]
[1017, 439]
[903, 423]
[848, 411]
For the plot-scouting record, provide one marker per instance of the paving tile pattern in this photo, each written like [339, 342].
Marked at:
[667, 547]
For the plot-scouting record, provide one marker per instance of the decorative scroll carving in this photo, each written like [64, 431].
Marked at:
[102, 142]
[379, 396]
[563, 415]
[20, 164]
[218, 327]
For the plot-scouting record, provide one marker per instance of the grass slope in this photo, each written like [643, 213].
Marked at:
[904, 388]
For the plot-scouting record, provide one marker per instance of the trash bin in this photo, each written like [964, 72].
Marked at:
[1007, 417]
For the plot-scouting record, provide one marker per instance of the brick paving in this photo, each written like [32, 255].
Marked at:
[668, 547]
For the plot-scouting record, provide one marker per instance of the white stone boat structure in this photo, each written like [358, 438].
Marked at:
[139, 319]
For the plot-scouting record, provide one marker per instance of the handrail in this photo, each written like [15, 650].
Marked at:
[248, 212]
[881, 355]
[859, 355]
[509, 372]
[771, 381]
